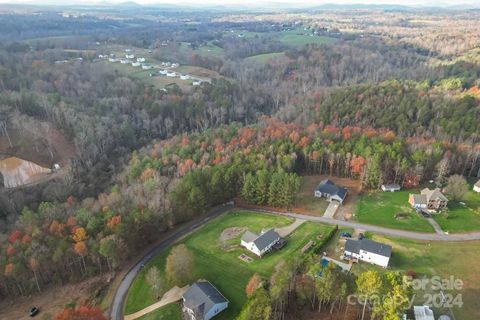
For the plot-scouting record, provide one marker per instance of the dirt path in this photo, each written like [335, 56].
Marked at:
[285, 231]
[170, 296]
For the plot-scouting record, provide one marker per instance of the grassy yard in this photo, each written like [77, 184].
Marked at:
[457, 259]
[168, 312]
[305, 202]
[381, 208]
[462, 217]
[264, 58]
[223, 268]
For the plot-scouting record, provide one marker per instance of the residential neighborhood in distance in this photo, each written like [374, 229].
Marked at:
[239, 160]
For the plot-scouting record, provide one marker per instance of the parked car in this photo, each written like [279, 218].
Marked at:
[34, 311]
[346, 234]
[361, 236]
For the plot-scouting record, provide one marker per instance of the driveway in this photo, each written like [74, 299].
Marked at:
[285, 231]
[170, 296]
[331, 209]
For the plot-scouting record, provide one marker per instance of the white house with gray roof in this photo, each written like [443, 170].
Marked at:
[369, 251]
[202, 301]
[260, 244]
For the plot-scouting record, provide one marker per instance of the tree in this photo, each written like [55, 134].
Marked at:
[155, 281]
[179, 266]
[258, 307]
[369, 284]
[253, 284]
[457, 187]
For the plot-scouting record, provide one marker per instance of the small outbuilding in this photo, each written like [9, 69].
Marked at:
[390, 187]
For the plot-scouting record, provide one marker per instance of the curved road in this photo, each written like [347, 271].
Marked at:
[116, 310]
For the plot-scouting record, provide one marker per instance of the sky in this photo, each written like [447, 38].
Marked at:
[254, 2]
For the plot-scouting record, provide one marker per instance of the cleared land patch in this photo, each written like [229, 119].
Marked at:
[392, 210]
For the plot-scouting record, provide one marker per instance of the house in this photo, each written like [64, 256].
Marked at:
[184, 77]
[260, 244]
[123, 61]
[163, 72]
[202, 301]
[428, 199]
[129, 56]
[171, 74]
[147, 67]
[423, 313]
[136, 64]
[175, 65]
[113, 60]
[140, 59]
[390, 187]
[369, 251]
[331, 191]
[476, 186]
[196, 83]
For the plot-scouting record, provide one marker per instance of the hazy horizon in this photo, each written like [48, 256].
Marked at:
[292, 3]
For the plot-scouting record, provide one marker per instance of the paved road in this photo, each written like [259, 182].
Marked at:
[116, 310]
[385, 231]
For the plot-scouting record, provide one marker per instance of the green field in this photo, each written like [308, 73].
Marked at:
[301, 39]
[264, 58]
[223, 268]
[444, 259]
[381, 208]
[462, 218]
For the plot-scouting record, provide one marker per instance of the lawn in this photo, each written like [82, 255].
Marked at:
[264, 58]
[444, 259]
[171, 311]
[223, 268]
[305, 202]
[462, 218]
[381, 208]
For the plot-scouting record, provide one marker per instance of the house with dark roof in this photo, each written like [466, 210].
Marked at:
[428, 199]
[369, 251]
[476, 186]
[328, 189]
[202, 301]
[260, 244]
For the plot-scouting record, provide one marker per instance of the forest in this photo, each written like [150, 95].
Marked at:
[147, 159]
